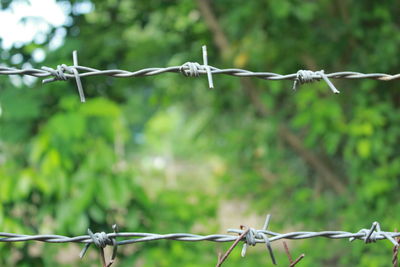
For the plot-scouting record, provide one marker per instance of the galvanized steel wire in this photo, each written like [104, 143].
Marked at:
[367, 235]
[87, 71]
[137, 237]
[190, 69]
[249, 237]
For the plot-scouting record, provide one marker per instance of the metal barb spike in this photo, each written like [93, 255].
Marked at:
[208, 70]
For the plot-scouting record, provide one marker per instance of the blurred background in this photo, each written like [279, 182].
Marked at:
[165, 154]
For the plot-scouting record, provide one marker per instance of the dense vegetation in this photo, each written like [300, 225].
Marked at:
[164, 154]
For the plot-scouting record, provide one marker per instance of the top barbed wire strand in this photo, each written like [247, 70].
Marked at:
[87, 71]
[192, 69]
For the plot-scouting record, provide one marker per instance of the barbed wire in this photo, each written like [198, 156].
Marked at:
[190, 69]
[249, 237]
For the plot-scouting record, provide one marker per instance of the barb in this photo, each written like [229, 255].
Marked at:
[190, 69]
[374, 233]
[307, 76]
[60, 75]
[101, 240]
[253, 234]
[208, 70]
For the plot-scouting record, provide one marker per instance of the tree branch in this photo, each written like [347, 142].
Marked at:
[221, 41]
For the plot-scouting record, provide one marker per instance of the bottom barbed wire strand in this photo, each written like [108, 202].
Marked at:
[137, 237]
[249, 237]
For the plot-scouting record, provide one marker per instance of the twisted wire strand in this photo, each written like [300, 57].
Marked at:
[188, 69]
[249, 237]
[88, 71]
[136, 237]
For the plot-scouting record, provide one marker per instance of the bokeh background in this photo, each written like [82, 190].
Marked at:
[165, 154]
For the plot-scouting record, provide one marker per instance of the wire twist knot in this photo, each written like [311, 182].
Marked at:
[374, 233]
[59, 74]
[191, 69]
[101, 240]
[308, 76]
[369, 238]
[194, 69]
[252, 236]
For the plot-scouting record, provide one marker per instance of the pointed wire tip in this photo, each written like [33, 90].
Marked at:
[75, 57]
[208, 70]
[84, 250]
[49, 80]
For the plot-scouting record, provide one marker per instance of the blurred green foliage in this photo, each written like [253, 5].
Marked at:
[163, 154]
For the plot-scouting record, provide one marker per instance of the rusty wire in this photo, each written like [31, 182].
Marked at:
[221, 258]
[395, 259]
[292, 262]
